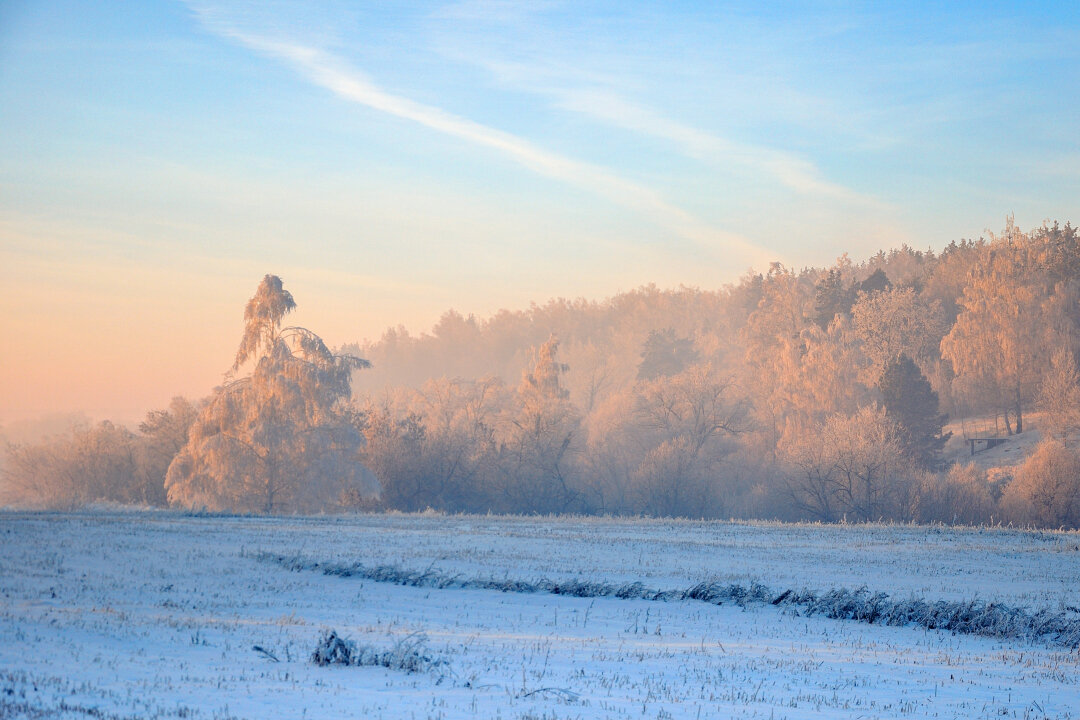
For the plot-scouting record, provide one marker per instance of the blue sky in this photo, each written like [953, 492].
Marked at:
[392, 160]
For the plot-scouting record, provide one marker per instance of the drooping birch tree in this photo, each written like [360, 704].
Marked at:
[281, 439]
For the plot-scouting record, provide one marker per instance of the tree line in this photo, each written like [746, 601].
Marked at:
[822, 393]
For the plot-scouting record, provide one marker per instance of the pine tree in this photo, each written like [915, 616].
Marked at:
[665, 354]
[877, 281]
[913, 405]
[831, 298]
[539, 438]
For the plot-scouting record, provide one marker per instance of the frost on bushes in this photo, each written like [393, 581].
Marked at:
[968, 618]
[408, 654]
[333, 650]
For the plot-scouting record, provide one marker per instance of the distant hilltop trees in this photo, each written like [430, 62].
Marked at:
[838, 393]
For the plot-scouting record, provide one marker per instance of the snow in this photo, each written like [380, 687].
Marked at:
[1013, 450]
[114, 614]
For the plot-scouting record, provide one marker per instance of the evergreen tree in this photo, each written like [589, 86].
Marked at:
[875, 282]
[540, 437]
[665, 354]
[831, 298]
[913, 405]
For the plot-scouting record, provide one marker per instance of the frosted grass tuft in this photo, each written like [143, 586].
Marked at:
[971, 617]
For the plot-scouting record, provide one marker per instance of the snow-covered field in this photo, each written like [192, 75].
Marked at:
[157, 615]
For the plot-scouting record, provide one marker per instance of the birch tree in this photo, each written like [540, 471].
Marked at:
[774, 348]
[897, 322]
[1059, 395]
[999, 337]
[281, 439]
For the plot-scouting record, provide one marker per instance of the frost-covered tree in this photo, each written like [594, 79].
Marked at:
[1059, 395]
[665, 354]
[435, 448]
[98, 463]
[164, 435]
[283, 438]
[540, 437]
[1046, 491]
[897, 322]
[774, 347]
[1003, 336]
[687, 424]
[961, 496]
[853, 466]
[828, 375]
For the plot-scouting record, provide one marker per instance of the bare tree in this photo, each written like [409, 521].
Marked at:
[961, 496]
[98, 463]
[396, 451]
[449, 427]
[613, 453]
[854, 467]
[686, 422]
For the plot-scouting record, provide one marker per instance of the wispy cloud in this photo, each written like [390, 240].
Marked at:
[348, 83]
[789, 170]
[570, 90]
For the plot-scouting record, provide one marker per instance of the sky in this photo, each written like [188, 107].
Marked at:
[392, 160]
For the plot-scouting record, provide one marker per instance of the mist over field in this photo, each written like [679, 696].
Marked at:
[909, 386]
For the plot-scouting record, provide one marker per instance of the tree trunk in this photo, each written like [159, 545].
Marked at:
[1019, 411]
[271, 486]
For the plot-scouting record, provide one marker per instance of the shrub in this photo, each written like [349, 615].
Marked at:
[963, 496]
[408, 654]
[1046, 489]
